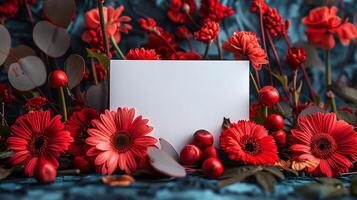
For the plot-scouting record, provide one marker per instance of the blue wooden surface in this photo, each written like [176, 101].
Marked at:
[90, 187]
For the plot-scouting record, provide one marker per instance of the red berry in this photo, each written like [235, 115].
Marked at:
[81, 163]
[45, 172]
[190, 155]
[212, 168]
[209, 152]
[274, 122]
[203, 139]
[58, 78]
[280, 137]
[268, 96]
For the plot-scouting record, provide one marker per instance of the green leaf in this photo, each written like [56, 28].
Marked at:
[274, 171]
[6, 154]
[319, 191]
[348, 94]
[348, 117]
[240, 175]
[102, 58]
[281, 78]
[266, 180]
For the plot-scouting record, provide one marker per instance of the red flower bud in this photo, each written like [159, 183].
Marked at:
[190, 155]
[45, 172]
[280, 137]
[210, 152]
[295, 57]
[58, 78]
[268, 96]
[203, 139]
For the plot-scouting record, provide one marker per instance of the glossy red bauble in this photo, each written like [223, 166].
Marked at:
[268, 96]
[210, 152]
[45, 172]
[81, 163]
[203, 139]
[212, 168]
[280, 137]
[274, 122]
[190, 155]
[58, 78]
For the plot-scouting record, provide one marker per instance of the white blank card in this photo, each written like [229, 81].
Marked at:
[180, 97]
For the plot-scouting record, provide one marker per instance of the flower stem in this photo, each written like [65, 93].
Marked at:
[254, 82]
[295, 94]
[219, 48]
[29, 13]
[166, 42]
[117, 48]
[94, 72]
[265, 111]
[63, 102]
[275, 52]
[329, 80]
[102, 26]
[207, 49]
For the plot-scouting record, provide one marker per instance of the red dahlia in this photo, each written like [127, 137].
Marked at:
[142, 54]
[215, 11]
[245, 45]
[37, 137]
[295, 57]
[77, 125]
[250, 143]
[321, 139]
[208, 32]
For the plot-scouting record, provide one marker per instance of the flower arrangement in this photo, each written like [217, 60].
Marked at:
[287, 133]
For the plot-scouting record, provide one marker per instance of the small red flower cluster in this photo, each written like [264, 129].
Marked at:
[9, 8]
[214, 10]
[180, 9]
[6, 94]
[295, 57]
[35, 103]
[208, 32]
[142, 54]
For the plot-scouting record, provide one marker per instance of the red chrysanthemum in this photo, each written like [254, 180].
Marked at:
[35, 103]
[257, 4]
[182, 32]
[215, 11]
[208, 32]
[142, 54]
[119, 140]
[179, 9]
[37, 137]
[295, 57]
[323, 23]
[321, 139]
[245, 45]
[250, 143]
[186, 56]
[77, 125]
[273, 22]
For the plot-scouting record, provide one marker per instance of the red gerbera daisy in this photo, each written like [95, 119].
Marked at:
[322, 139]
[245, 45]
[119, 141]
[77, 125]
[37, 138]
[248, 142]
[142, 54]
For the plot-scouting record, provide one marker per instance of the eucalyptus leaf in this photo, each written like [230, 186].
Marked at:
[348, 94]
[4, 173]
[168, 148]
[60, 12]
[320, 191]
[17, 53]
[275, 171]
[311, 110]
[266, 180]
[102, 58]
[74, 67]
[5, 43]
[240, 176]
[6, 154]
[348, 117]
